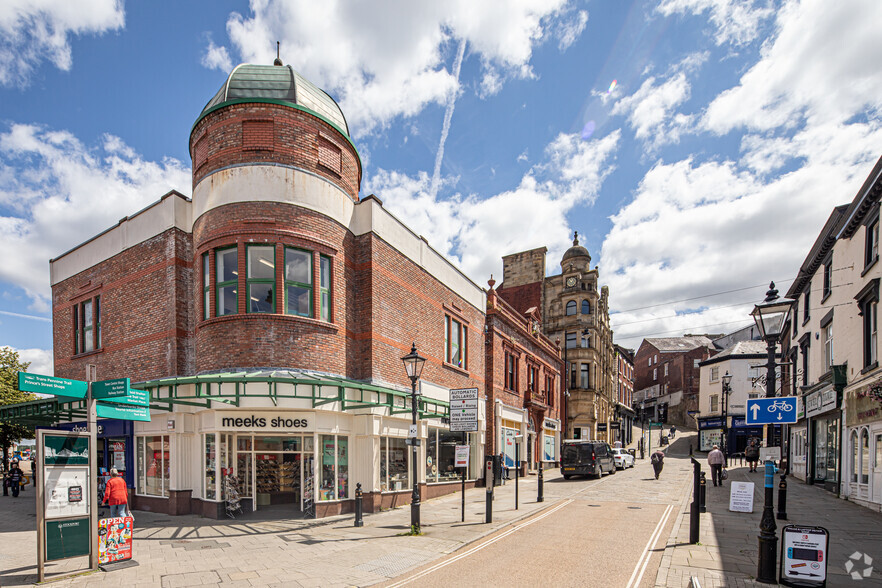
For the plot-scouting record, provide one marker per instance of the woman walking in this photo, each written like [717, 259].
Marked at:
[657, 459]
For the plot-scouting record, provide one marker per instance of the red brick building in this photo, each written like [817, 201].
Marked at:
[625, 393]
[268, 316]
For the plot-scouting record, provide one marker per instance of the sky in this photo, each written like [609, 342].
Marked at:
[697, 146]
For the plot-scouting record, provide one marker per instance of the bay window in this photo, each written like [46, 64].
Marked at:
[261, 278]
[394, 472]
[325, 287]
[226, 263]
[298, 282]
[206, 288]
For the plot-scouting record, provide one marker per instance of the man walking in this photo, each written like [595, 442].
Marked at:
[716, 459]
[657, 459]
[116, 494]
[751, 454]
[15, 476]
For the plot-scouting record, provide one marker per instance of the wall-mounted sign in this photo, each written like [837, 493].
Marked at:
[263, 421]
[550, 424]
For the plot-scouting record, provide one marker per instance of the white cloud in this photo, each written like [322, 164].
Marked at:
[41, 360]
[737, 22]
[570, 31]
[649, 110]
[70, 192]
[34, 30]
[216, 58]
[476, 232]
[385, 59]
[821, 66]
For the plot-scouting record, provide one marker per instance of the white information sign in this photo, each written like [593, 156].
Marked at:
[66, 491]
[770, 454]
[741, 497]
[412, 433]
[804, 556]
[462, 456]
[464, 409]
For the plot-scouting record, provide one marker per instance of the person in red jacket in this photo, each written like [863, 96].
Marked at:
[116, 494]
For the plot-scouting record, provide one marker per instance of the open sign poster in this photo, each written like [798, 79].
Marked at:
[115, 539]
[804, 556]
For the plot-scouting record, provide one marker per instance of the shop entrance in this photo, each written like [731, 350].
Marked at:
[279, 469]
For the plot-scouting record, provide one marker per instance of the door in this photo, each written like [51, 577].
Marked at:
[877, 468]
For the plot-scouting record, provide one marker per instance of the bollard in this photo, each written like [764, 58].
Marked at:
[767, 560]
[541, 496]
[359, 506]
[690, 449]
[517, 476]
[693, 508]
[782, 498]
[489, 506]
[5, 487]
[702, 494]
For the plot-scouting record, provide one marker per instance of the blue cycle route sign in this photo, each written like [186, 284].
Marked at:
[771, 411]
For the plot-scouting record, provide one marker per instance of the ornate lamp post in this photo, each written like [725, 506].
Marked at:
[770, 316]
[727, 389]
[413, 364]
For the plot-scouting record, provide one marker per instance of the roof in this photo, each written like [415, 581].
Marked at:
[277, 85]
[818, 253]
[863, 202]
[680, 344]
[741, 350]
[575, 251]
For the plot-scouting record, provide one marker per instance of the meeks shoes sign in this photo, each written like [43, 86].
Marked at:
[264, 421]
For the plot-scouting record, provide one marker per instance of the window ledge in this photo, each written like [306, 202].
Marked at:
[455, 368]
[869, 266]
[806, 320]
[826, 296]
[88, 353]
[268, 315]
[870, 367]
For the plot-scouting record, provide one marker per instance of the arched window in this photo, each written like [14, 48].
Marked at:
[586, 307]
[855, 462]
[865, 457]
[571, 307]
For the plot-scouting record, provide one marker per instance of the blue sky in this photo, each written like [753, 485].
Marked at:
[705, 171]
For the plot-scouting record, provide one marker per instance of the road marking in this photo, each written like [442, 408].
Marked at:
[647, 554]
[481, 546]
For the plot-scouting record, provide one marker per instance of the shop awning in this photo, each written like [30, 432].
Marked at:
[231, 388]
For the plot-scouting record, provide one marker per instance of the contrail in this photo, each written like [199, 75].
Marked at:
[448, 114]
[27, 316]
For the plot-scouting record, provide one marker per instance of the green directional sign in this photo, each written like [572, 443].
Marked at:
[40, 384]
[109, 410]
[120, 391]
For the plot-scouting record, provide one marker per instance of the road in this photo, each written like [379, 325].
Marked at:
[607, 532]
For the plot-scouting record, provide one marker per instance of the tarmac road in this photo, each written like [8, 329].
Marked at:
[608, 532]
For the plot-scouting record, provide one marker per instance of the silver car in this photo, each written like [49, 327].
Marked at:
[622, 458]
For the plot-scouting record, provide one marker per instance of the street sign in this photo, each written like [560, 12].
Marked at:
[461, 456]
[51, 385]
[464, 409]
[601, 427]
[804, 556]
[412, 432]
[120, 391]
[769, 454]
[108, 410]
[615, 425]
[771, 411]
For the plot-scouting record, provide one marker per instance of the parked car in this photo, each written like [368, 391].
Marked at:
[586, 458]
[623, 458]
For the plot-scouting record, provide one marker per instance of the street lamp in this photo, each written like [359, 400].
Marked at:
[770, 316]
[642, 432]
[413, 364]
[727, 389]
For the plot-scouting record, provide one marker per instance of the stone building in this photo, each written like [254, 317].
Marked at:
[574, 310]
[625, 393]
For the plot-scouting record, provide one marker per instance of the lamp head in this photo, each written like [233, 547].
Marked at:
[413, 363]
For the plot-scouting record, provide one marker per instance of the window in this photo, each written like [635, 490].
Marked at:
[261, 278]
[226, 263]
[298, 282]
[571, 340]
[855, 459]
[511, 372]
[441, 456]
[571, 308]
[828, 346]
[586, 341]
[206, 287]
[650, 362]
[455, 338]
[867, 300]
[865, 457]
[584, 380]
[533, 379]
[325, 287]
[335, 467]
[573, 375]
[805, 363]
[152, 465]
[714, 402]
[87, 325]
[805, 303]
[586, 307]
[666, 370]
[655, 359]
[828, 277]
[714, 374]
[874, 334]
[549, 390]
[695, 363]
[394, 473]
[654, 374]
[872, 247]
[795, 319]
[210, 466]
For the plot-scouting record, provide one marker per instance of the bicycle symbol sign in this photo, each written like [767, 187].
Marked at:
[771, 411]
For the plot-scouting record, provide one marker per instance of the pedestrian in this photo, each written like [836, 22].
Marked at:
[716, 460]
[751, 454]
[15, 476]
[116, 494]
[34, 470]
[673, 431]
[657, 459]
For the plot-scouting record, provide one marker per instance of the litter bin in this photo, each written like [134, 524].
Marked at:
[497, 470]
[633, 453]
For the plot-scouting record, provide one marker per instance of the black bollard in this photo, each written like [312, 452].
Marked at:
[541, 497]
[690, 450]
[767, 560]
[489, 505]
[693, 508]
[702, 494]
[517, 476]
[782, 498]
[359, 506]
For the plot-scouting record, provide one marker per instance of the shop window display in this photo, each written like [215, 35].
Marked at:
[335, 468]
[441, 456]
[210, 467]
[393, 465]
[153, 465]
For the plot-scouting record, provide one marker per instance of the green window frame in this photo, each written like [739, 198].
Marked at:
[325, 287]
[206, 287]
[226, 267]
[260, 283]
[298, 281]
[87, 325]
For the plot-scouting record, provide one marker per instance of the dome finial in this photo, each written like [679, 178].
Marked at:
[278, 59]
[576, 238]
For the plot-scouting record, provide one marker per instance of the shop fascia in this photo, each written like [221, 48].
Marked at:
[820, 402]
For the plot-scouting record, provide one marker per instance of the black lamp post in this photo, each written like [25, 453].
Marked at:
[642, 427]
[413, 364]
[727, 389]
[770, 316]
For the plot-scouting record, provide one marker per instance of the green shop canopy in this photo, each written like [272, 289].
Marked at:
[230, 388]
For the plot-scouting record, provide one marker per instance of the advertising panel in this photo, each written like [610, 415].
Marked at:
[115, 539]
[66, 491]
[64, 450]
[67, 538]
[804, 556]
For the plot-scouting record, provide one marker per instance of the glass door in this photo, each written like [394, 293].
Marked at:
[832, 450]
[820, 450]
[877, 469]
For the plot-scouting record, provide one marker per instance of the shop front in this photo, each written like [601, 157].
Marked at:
[740, 434]
[114, 450]
[824, 443]
[710, 432]
[863, 454]
[550, 442]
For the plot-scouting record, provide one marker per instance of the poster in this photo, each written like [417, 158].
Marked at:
[708, 438]
[65, 450]
[66, 491]
[462, 456]
[804, 556]
[741, 497]
[119, 461]
[115, 539]
[549, 447]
